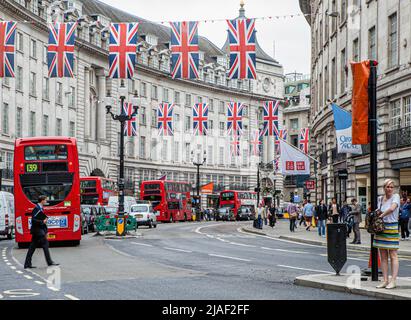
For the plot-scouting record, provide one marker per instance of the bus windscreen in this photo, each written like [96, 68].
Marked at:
[49, 152]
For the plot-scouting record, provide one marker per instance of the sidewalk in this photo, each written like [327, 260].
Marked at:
[282, 231]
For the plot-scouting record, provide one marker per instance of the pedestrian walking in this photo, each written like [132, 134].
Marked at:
[301, 216]
[308, 214]
[388, 241]
[405, 218]
[293, 214]
[260, 212]
[357, 219]
[265, 214]
[273, 218]
[322, 215]
[334, 210]
[345, 211]
[38, 232]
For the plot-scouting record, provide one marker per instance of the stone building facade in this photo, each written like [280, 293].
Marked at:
[356, 30]
[34, 105]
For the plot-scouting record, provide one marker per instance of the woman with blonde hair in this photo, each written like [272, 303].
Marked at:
[388, 241]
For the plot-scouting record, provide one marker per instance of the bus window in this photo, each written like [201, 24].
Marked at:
[51, 152]
[54, 193]
[227, 196]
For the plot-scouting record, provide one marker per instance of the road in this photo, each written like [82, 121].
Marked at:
[179, 261]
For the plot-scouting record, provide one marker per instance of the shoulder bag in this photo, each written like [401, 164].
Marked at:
[375, 224]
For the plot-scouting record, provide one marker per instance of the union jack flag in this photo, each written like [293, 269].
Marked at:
[234, 118]
[270, 118]
[200, 119]
[165, 119]
[123, 50]
[304, 136]
[184, 50]
[241, 35]
[256, 143]
[283, 136]
[130, 129]
[60, 52]
[235, 146]
[7, 48]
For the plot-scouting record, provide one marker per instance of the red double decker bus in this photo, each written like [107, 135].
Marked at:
[236, 200]
[96, 190]
[47, 166]
[170, 200]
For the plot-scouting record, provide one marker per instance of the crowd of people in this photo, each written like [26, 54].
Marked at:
[311, 216]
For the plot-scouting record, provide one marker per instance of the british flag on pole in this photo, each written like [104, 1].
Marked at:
[123, 50]
[60, 51]
[241, 36]
[184, 50]
[7, 48]
[235, 118]
[304, 140]
[270, 118]
[165, 119]
[130, 129]
[283, 136]
[235, 146]
[256, 143]
[200, 119]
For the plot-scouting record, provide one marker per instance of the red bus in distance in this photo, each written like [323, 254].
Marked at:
[170, 200]
[47, 166]
[236, 200]
[96, 190]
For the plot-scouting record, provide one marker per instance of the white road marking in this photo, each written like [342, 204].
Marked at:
[19, 272]
[227, 257]
[291, 251]
[13, 267]
[119, 252]
[71, 297]
[242, 245]
[180, 250]
[39, 282]
[304, 269]
[28, 277]
[8, 263]
[5, 260]
[53, 289]
[142, 244]
[113, 240]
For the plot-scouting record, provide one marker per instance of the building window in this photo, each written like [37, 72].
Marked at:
[187, 125]
[326, 84]
[176, 151]
[20, 42]
[372, 44]
[211, 105]
[72, 129]
[143, 91]
[143, 118]
[188, 153]
[59, 93]
[32, 83]
[19, 78]
[222, 128]
[46, 88]
[19, 122]
[176, 97]
[294, 140]
[33, 49]
[143, 147]
[154, 118]
[333, 79]
[210, 155]
[395, 114]
[45, 127]
[221, 156]
[356, 50]
[343, 10]
[392, 41]
[164, 151]
[320, 91]
[294, 124]
[32, 130]
[5, 118]
[210, 125]
[343, 72]
[407, 111]
[58, 127]
[221, 107]
[72, 98]
[177, 122]
[188, 100]
[165, 95]
[154, 92]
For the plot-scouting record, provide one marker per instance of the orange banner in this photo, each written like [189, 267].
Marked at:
[208, 188]
[360, 104]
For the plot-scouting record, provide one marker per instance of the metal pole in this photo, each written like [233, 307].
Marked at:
[258, 186]
[121, 231]
[372, 92]
[316, 182]
[198, 192]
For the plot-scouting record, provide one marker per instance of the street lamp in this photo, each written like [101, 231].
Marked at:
[122, 118]
[198, 165]
[1, 171]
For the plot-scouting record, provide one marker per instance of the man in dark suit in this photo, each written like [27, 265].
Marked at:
[39, 233]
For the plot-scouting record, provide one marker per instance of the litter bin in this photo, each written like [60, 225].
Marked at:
[337, 245]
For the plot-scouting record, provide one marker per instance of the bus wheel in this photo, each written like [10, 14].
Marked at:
[171, 218]
[150, 224]
[75, 243]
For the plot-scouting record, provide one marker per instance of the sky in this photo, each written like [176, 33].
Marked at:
[291, 35]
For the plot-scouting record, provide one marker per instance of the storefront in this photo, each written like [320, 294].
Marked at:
[340, 185]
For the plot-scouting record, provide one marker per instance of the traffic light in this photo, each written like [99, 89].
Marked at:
[292, 197]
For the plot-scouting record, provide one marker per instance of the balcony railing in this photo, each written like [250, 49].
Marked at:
[399, 138]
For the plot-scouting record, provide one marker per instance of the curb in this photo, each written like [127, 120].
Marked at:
[319, 243]
[304, 282]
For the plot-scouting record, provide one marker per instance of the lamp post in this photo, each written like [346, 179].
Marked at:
[198, 204]
[1, 171]
[122, 118]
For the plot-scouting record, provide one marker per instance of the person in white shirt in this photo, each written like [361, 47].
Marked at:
[388, 241]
